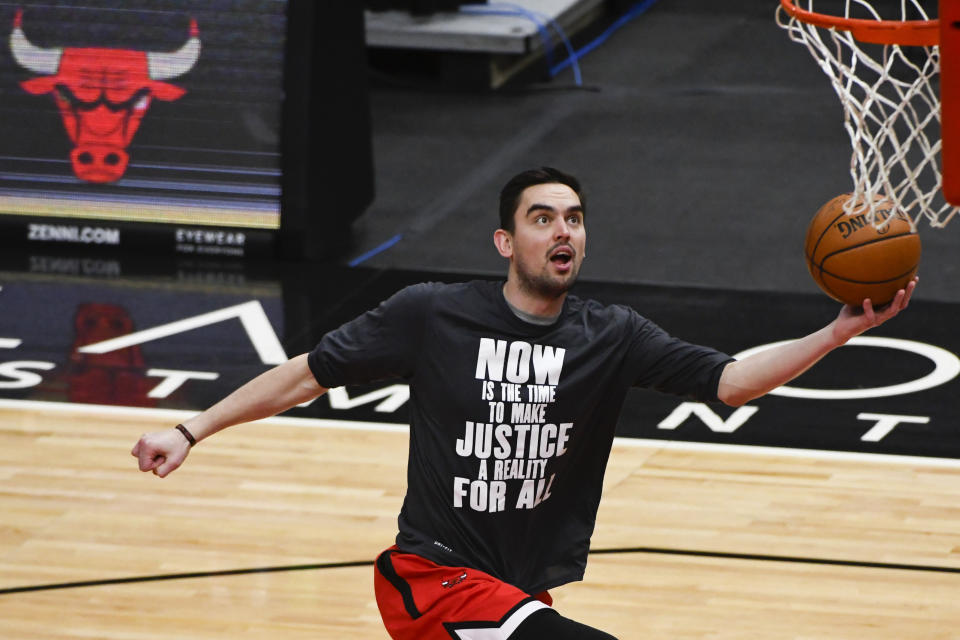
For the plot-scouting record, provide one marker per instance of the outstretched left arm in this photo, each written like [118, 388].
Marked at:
[755, 375]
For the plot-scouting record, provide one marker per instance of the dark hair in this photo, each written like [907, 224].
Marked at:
[513, 190]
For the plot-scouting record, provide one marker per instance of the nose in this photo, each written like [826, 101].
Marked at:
[561, 229]
[99, 163]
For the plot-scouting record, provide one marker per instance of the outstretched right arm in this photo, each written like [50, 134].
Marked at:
[270, 393]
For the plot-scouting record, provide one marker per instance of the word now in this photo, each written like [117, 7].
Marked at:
[496, 361]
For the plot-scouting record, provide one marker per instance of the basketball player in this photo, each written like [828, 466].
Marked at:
[515, 392]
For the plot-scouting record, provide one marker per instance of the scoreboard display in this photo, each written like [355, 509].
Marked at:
[134, 123]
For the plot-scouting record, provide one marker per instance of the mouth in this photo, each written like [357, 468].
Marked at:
[562, 257]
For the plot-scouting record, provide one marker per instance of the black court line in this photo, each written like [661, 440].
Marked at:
[768, 558]
[186, 576]
[368, 563]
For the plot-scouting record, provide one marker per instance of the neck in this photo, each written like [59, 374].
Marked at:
[529, 302]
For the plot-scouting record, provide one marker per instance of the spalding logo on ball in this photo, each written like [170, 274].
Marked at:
[851, 260]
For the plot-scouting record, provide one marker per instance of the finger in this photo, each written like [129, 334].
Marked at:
[868, 312]
[164, 469]
[149, 460]
[911, 286]
[900, 300]
[896, 305]
[135, 452]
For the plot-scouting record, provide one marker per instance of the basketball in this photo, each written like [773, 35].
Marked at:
[851, 260]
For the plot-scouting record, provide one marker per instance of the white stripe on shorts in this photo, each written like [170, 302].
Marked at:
[505, 628]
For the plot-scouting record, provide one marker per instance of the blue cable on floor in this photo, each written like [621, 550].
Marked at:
[636, 10]
[506, 9]
[378, 249]
[572, 56]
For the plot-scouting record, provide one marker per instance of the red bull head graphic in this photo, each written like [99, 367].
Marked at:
[117, 377]
[102, 94]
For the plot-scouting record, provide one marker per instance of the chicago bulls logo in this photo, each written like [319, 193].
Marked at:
[117, 377]
[102, 94]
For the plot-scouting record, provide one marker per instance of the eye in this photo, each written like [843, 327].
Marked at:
[542, 219]
[573, 220]
[63, 95]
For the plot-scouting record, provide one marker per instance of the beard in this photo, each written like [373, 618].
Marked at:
[544, 285]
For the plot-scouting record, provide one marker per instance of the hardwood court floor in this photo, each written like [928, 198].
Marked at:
[278, 495]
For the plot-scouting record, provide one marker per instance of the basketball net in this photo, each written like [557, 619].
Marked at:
[890, 101]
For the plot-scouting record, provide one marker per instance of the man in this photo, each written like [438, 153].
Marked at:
[515, 392]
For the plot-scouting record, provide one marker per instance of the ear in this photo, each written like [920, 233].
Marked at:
[165, 91]
[504, 242]
[39, 86]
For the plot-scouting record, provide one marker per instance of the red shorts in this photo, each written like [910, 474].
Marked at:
[421, 600]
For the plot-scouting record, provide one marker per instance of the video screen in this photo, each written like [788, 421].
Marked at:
[164, 111]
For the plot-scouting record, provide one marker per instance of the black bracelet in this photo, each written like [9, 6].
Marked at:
[186, 434]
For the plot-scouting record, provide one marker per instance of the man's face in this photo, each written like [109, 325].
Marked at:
[548, 240]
